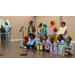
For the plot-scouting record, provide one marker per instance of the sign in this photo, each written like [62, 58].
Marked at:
[62, 30]
[53, 49]
[39, 46]
[61, 50]
[29, 30]
[38, 31]
[37, 40]
[47, 45]
[43, 30]
[50, 31]
[21, 43]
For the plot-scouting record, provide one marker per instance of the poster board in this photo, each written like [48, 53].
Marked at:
[50, 31]
[62, 30]
[47, 45]
[39, 46]
[37, 40]
[29, 30]
[43, 30]
[53, 49]
[38, 30]
[21, 43]
[61, 50]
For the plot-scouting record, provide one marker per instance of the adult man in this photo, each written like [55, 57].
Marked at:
[7, 29]
[2, 33]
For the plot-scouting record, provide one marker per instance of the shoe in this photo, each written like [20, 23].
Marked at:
[25, 47]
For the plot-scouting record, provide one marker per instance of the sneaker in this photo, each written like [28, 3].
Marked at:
[25, 47]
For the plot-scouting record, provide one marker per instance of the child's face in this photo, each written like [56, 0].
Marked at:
[59, 38]
[39, 26]
[62, 25]
[31, 37]
[43, 25]
[67, 40]
[51, 40]
[44, 38]
[51, 23]
[30, 23]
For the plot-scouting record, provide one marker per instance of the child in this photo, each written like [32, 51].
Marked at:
[39, 26]
[55, 30]
[44, 41]
[69, 46]
[31, 42]
[63, 26]
[26, 40]
[52, 41]
[45, 26]
[32, 26]
[60, 40]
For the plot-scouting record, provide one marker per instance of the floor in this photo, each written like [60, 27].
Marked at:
[13, 50]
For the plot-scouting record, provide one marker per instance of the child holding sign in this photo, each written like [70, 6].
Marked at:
[63, 26]
[60, 40]
[69, 46]
[44, 41]
[31, 42]
[52, 41]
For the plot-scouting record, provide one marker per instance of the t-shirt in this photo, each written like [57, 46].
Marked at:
[7, 28]
[54, 43]
[44, 41]
[62, 42]
[70, 47]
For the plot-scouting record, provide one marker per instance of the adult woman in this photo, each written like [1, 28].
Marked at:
[55, 30]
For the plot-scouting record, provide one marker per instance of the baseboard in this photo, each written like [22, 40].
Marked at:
[73, 41]
[15, 39]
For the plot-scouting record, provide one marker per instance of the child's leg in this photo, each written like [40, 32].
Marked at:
[68, 52]
[28, 46]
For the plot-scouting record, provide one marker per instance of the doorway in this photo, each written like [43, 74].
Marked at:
[2, 22]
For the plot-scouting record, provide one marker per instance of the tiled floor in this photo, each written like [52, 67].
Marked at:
[13, 50]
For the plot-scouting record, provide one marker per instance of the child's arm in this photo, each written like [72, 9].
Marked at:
[43, 44]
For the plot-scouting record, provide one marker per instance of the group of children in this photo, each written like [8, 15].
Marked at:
[62, 40]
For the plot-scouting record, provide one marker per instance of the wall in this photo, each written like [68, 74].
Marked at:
[70, 22]
[47, 20]
[16, 23]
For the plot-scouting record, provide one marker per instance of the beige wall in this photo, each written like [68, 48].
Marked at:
[16, 23]
[70, 23]
[47, 19]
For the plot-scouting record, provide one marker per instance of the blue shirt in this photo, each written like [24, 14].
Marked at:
[70, 47]
[44, 41]
[61, 42]
[7, 28]
[54, 43]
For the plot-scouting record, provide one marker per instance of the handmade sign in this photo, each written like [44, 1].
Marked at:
[30, 42]
[61, 50]
[29, 30]
[53, 49]
[39, 46]
[21, 43]
[50, 31]
[43, 30]
[62, 30]
[38, 31]
[47, 45]
[37, 40]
